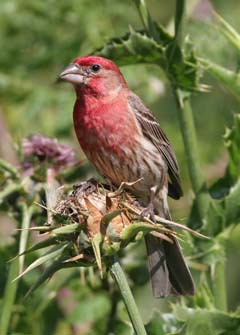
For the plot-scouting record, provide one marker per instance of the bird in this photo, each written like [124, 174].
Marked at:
[122, 138]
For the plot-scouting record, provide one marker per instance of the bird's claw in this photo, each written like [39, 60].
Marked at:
[148, 212]
[85, 188]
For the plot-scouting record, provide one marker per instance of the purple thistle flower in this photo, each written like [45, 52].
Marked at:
[41, 149]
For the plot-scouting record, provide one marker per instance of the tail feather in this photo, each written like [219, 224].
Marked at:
[168, 270]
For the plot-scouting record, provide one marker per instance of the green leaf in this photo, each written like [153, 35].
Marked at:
[67, 229]
[55, 266]
[229, 183]
[108, 217]
[228, 31]
[232, 143]
[214, 221]
[133, 48]
[54, 252]
[231, 204]
[228, 78]
[131, 231]
[138, 47]
[156, 326]
[226, 212]
[7, 167]
[157, 32]
[40, 245]
[96, 241]
[123, 328]
[91, 309]
[207, 322]
[43, 229]
[164, 38]
[204, 297]
[47, 274]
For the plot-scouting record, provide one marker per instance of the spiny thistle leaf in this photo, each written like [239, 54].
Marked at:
[226, 185]
[231, 204]
[47, 274]
[228, 31]
[108, 217]
[230, 79]
[116, 219]
[208, 322]
[53, 253]
[96, 242]
[232, 143]
[133, 48]
[43, 229]
[224, 209]
[132, 230]
[67, 229]
[158, 33]
[40, 245]
[157, 325]
[138, 47]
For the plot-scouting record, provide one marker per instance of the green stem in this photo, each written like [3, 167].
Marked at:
[179, 16]
[219, 287]
[120, 278]
[5, 166]
[187, 126]
[10, 189]
[26, 220]
[188, 131]
[9, 298]
[15, 267]
[146, 19]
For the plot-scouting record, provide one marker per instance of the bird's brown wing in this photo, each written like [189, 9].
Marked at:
[155, 134]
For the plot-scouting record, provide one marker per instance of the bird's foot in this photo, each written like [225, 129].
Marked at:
[148, 212]
[85, 188]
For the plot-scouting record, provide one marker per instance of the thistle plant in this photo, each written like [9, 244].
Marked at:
[84, 227]
[91, 225]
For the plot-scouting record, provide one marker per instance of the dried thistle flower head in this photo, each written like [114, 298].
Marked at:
[91, 224]
[40, 149]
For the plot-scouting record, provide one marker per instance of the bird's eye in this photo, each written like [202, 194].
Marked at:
[95, 67]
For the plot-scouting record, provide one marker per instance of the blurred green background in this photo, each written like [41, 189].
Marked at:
[39, 38]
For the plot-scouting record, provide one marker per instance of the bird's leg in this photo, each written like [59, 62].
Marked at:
[149, 210]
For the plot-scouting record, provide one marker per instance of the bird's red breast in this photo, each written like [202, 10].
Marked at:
[104, 124]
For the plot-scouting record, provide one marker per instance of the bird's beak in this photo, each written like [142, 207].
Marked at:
[72, 74]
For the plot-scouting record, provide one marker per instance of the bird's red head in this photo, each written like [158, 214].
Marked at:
[90, 61]
[93, 75]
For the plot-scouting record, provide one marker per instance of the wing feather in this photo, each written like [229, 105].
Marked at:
[152, 130]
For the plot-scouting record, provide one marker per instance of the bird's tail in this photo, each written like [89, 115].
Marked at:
[168, 270]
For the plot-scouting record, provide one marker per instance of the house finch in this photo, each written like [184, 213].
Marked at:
[123, 140]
